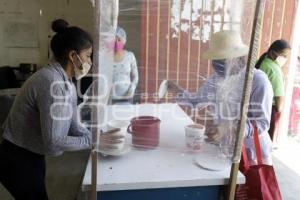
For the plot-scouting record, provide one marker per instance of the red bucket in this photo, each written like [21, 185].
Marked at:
[145, 131]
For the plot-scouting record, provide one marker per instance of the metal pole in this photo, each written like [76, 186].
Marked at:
[179, 45]
[169, 41]
[157, 43]
[147, 49]
[246, 97]
[189, 47]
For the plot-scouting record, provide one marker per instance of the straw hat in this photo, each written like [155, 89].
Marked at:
[225, 44]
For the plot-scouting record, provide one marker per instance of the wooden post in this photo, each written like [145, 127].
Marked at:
[96, 45]
[179, 44]
[106, 15]
[246, 96]
[157, 43]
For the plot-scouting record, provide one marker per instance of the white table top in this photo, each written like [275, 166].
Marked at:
[169, 165]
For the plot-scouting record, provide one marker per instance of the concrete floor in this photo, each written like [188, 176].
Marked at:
[64, 173]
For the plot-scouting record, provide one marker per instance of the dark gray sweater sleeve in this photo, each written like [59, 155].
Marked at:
[76, 128]
[56, 113]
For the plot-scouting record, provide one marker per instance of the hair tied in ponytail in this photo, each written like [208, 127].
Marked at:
[59, 25]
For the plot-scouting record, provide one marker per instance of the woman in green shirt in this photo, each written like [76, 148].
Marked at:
[271, 62]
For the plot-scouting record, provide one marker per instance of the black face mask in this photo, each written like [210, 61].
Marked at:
[219, 67]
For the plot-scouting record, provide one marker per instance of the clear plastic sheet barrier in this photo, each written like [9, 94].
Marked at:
[189, 57]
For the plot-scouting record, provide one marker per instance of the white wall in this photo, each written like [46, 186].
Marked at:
[39, 13]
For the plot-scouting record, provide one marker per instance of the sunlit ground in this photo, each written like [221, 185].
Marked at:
[289, 153]
[287, 167]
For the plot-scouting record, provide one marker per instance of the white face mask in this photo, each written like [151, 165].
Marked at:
[79, 73]
[281, 60]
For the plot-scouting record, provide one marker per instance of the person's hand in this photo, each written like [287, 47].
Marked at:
[174, 87]
[213, 134]
[110, 139]
[130, 93]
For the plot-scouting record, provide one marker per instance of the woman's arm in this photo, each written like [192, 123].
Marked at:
[277, 83]
[279, 101]
[204, 96]
[134, 76]
[174, 87]
[76, 128]
[56, 117]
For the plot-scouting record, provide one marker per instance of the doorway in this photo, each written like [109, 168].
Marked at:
[288, 142]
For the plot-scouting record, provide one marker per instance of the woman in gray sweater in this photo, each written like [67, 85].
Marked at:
[43, 119]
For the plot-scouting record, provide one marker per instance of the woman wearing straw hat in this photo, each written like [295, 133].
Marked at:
[43, 119]
[223, 93]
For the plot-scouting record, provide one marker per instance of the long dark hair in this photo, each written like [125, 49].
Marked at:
[277, 46]
[67, 39]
